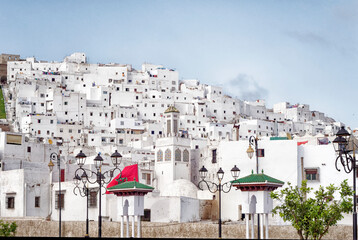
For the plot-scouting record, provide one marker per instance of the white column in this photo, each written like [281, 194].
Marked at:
[252, 226]
[127, 227]
[267, 226]
[138, 227]
[122, 226]
[262, 226]
[133, 226]
[247, 226]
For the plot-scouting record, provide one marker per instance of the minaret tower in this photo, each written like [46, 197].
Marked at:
[172, 152]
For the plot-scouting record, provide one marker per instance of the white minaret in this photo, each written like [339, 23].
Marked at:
[172, 152]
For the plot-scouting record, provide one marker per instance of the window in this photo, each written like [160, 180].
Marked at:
[261, 152]
[37, 202]
[70, 130]
[38, 121]
[185, 155]
[51, 121]
[168, 155]
[213, 153]
[60, 200]
[160, 156]
[146, 216]
[92, 198]
[10, 201]
[312, 174]
[66, 103]
[28, 149]
[168, 126]
[178, 155]
[175, 126]
[61, 129]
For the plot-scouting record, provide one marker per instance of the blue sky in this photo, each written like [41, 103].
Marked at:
[294, 51]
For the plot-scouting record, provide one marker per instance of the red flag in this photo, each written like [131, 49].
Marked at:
[129, 173]
[300, 143]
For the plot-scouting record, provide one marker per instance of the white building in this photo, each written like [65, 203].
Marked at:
[170, 127]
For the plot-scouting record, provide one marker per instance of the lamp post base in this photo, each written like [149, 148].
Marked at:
[354, 225]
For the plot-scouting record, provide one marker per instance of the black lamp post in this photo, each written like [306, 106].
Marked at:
[250, 152]
[84, 191]
[100, 178]
[54, 157]
[341, 146]
[213, 187]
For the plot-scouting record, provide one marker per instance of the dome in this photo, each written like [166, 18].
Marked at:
[171, 109]
[180, 188]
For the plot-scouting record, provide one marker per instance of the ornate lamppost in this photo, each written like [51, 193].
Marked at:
[84, 191]
[213, 187]
[250, 152]
[54, 157]
[100, 177]
[344, 145]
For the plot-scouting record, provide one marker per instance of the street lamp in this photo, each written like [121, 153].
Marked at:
[54, 157]
[213, 187]
[342, 146]
[84, 191]
[100, 178]
[250, 152]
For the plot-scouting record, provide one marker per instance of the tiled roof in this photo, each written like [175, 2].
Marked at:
[171, 109]
[257, 178]
[130, 185]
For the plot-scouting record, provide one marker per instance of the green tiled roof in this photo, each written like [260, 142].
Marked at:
[130, 185]
[278, 138]
[171, 109]
[257, 178]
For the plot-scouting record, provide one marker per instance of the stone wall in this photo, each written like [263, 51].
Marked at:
[42, 228]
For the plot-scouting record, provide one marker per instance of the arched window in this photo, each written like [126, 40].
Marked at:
[186, 156]
[178, 155]
[159, 156]
[168, 155]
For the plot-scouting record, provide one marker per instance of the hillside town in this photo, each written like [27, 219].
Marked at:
[168, 126]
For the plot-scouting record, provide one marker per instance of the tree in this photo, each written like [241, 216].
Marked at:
[7, 229]
[312, 217]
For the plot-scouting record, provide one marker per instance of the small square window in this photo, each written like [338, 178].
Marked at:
[312, 174]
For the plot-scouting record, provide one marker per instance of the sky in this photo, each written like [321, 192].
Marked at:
[281, 51]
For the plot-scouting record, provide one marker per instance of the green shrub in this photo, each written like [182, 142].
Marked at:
[7, 229]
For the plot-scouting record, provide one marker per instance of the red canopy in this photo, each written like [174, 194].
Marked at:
[129, 173]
